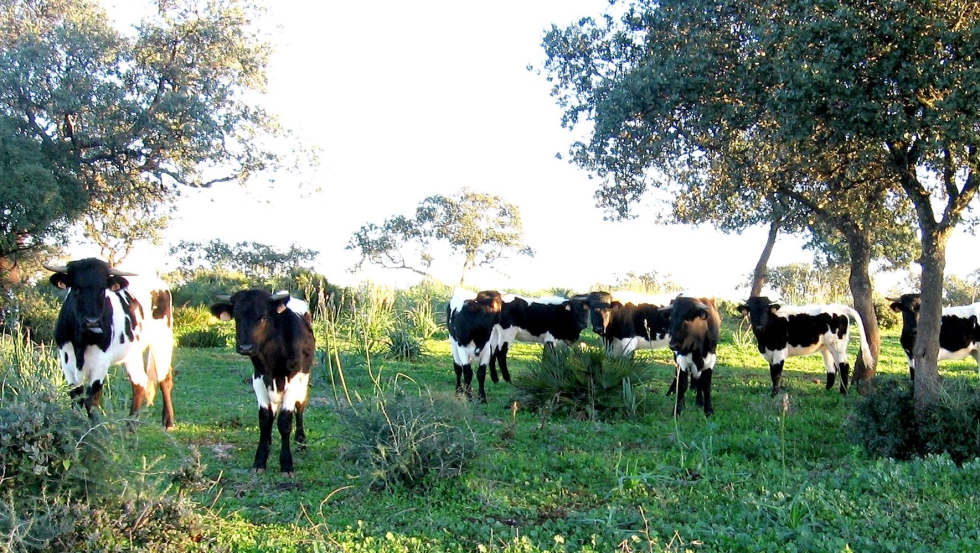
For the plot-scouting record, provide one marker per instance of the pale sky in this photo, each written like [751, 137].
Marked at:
[410, 99]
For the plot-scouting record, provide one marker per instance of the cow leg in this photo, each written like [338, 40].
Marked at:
[300, 436]
[681, 391]
[704, 390]
[93, 398]
[493, 366]
[845, 373]
[166, 386]
[285, 425]
[776, 373]
[459, 377]
[266, 417]
[77, 395]
[503, 363]
[468, 380]
[139, 397]
[831, 365]
[481, 375]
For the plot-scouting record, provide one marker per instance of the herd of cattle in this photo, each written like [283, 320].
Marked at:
[107, 318]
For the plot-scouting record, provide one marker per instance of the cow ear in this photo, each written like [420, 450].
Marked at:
[773, 307]
[222, 311]
[615, 304]
[568, 307]
[279, 302]
[117, 283]
[743, 309]
[896, 307]
[60, 280]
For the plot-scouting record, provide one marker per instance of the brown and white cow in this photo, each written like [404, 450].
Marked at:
[279, 341]
[107, 318]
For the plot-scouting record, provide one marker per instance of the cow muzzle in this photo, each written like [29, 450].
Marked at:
[245, 349]
[92, 325]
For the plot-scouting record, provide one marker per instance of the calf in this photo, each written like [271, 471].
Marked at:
[280, 344]
[104, 321]
[626, 326]
[471, 323]
[694, 330]
[787, 331]
[545, 321]
[959, 331]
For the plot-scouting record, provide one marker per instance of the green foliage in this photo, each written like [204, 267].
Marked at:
[31, 310]
[801, 283]
[960, 291]
[411, 439]
[887, 319]
[884, 423]
[259, 263]
[652, 283]
[584, 382]
[87, 110]
[405, 344]
[196, 327]
[481, 228]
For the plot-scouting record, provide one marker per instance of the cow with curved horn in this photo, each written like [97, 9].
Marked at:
[278, 338]
[105, 320]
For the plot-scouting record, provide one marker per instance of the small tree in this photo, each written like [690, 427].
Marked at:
[481, 228]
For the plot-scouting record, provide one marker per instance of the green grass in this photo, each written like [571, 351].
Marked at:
[751, 478]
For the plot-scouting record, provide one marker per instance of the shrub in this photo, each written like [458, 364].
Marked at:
[584, 381]
[196, 327]
[66, 485]
[884, 423]
[32, 311]
[404, 344]
[887, 318]
[409, 439]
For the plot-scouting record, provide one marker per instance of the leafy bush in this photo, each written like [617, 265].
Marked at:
[404, 344]
[201, 287]
[887, 318]
[64, 484]
[409, 439]
[31, 310]
[196, 327]
[584, 381]
[885, 423]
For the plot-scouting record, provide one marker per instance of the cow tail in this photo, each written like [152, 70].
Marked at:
[865, 347]
[151, 377]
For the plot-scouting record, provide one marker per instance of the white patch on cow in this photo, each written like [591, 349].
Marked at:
[297, 387]
[262, 394]
[298, 306]
[833, 349]
[686, 363]
[622, 347]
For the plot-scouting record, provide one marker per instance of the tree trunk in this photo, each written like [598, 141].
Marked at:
[759, 274]
[925, 353]
[861, 292]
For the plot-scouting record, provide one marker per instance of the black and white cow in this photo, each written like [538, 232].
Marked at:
[279, 342]
[626, 322]
[543, 321]
[105, 320]
[694, 329]
[787, 331]
[959, 332]
[471, 319]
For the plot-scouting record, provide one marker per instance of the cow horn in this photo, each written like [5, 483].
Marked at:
[56, 268]
[116, 272]
[223, 298]
[280, 296]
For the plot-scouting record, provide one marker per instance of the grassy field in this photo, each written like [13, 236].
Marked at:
[760, 475]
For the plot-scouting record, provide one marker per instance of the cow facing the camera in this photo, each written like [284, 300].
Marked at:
[471, 319]
[787, 331]
[694, 329]
[105, 320]
[280, 344]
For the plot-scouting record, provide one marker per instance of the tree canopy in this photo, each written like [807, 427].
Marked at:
[479, 227]
[103, 114]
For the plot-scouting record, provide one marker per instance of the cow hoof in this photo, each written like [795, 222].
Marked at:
[256, 470]
[288, 474]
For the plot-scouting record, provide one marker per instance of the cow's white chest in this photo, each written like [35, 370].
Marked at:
[686, 363]
[293, 393]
